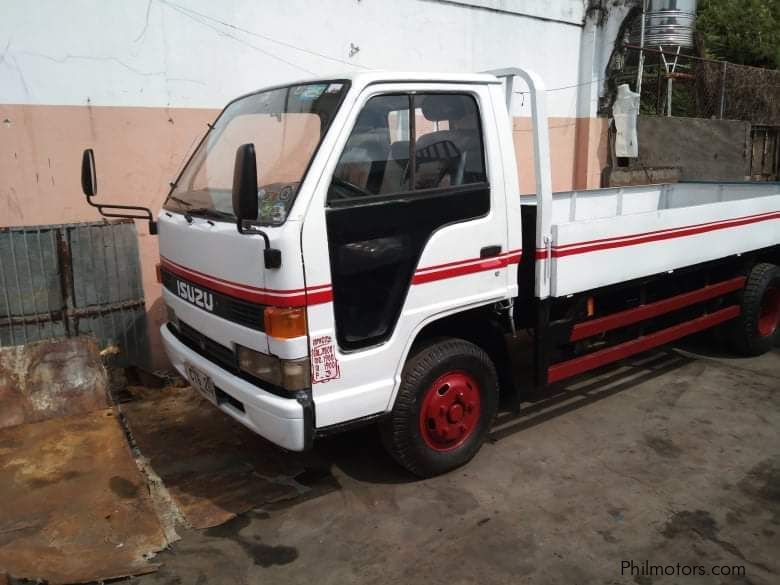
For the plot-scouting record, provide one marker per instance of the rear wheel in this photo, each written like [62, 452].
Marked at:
[757, 329]
[444, 408]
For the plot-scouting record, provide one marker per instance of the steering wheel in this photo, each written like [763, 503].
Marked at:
[347, 186]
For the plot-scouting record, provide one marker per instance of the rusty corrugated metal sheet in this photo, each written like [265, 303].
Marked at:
[73, 504]
[46, 379]
[213, 467]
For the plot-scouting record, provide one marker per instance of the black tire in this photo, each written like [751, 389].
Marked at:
[746, 335]
[401, 430]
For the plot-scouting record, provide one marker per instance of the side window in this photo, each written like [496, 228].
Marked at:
[376, 157]
[390, 151]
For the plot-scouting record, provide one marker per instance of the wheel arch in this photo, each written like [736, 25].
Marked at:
[769, 255]
[483, 326]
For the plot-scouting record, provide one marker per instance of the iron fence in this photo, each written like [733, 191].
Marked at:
[74, 279]
[683, 85]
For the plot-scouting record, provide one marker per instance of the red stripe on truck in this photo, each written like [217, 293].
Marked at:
[655, 236]
[453, 269]
[281, 298]
[605, 356]
[643, 312]
[317, 295]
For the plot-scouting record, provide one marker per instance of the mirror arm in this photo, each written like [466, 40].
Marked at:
[147, 213]
[271, 256]
[89, 186]
[246, 227]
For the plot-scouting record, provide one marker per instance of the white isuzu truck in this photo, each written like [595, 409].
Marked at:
[356, 249]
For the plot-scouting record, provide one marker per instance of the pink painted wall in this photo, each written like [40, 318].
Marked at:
[137, 151]
[578, 148]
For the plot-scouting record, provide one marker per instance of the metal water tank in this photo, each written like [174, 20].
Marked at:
[668, 23]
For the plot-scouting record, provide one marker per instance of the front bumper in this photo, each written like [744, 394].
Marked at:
[288, 422]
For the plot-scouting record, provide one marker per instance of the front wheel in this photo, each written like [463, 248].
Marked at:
[444, 408]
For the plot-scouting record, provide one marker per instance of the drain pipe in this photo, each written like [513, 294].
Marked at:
[641, 69]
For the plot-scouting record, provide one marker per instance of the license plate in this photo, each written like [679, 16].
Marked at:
[201, 382]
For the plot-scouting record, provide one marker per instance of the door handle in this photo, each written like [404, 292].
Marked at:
[489, 251]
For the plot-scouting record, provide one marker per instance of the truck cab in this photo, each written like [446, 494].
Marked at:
[385, 197]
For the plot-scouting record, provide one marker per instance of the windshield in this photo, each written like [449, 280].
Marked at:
[286, 125]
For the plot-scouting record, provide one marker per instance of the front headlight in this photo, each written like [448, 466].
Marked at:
[287, 374]
[296, 374]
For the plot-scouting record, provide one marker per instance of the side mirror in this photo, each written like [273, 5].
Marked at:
[245, 205]
[88, 175]
[89, 186]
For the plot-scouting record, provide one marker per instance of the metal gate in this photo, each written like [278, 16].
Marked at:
[74, 279]
[765, 153]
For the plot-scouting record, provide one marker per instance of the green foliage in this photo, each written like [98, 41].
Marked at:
[742, 31]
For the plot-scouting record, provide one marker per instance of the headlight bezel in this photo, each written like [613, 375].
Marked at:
[291, 375]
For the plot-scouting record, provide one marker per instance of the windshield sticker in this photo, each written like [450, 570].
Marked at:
[286, 193]
[279, 212]
[324, 365]
[334, 88]
[308, 92]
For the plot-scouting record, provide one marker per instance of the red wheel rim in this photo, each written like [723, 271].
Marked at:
[450, 411]
[769, 318]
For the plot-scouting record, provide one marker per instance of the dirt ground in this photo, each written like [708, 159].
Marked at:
[671, 458]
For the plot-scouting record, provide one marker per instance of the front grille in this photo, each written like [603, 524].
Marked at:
[205, 346]
[230, 308]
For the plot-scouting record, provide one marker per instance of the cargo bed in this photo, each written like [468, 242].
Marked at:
[605, 236]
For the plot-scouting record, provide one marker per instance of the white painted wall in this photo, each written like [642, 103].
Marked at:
[201, 53]
[571, 11]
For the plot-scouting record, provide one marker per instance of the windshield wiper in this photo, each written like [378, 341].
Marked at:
[179, 200]
[206, 212]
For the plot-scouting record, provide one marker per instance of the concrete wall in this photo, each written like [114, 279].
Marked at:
[138, 81]
[703, 149]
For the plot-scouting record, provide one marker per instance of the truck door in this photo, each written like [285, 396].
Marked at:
[407, 225]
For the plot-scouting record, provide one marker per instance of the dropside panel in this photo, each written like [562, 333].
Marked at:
[596, 253]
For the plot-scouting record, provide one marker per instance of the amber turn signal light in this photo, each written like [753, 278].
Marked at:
[285, 323]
